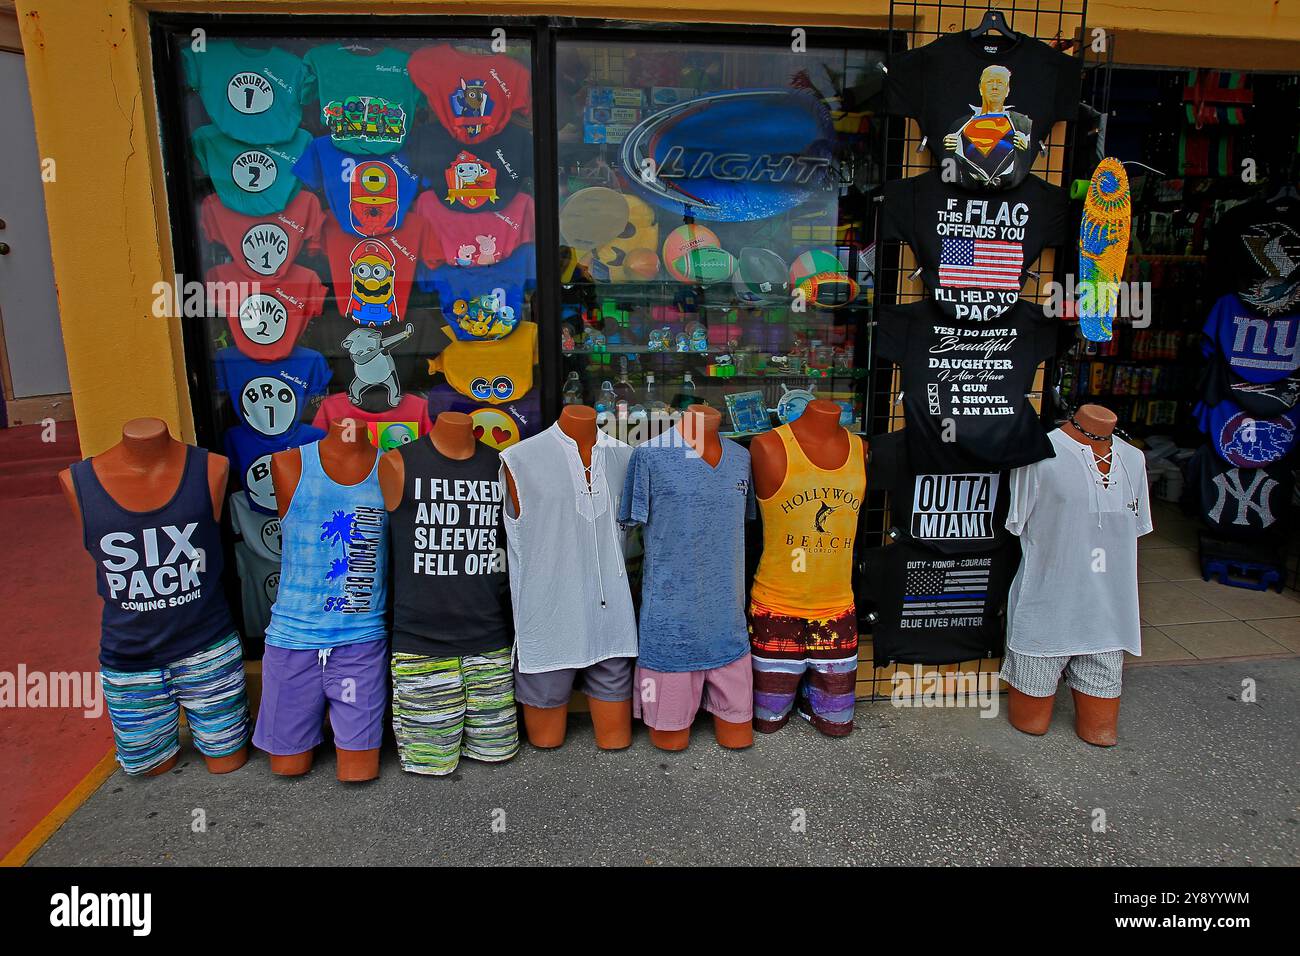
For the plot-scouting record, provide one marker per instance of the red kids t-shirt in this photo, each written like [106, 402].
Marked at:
[263, 246]
[266, 315]
[472, 96]
[411, 416]
[372, 276]
[478, 238]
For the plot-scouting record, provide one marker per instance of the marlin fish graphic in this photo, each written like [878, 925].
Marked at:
[824, 512]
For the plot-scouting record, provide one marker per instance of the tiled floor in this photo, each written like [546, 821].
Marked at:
[1185, 618]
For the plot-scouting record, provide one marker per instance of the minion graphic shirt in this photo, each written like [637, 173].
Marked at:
[372, 277]
[987, 103]
[368, 195]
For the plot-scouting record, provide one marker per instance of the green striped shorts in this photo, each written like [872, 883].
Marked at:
[444, 707]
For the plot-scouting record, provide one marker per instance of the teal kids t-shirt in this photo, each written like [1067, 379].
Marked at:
[252, 95]
[252, 180]
[367, 99]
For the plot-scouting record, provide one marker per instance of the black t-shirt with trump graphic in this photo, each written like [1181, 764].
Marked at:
[934, 608]
[987, 103]
[965, 383]
[974, 249]
[951, 513]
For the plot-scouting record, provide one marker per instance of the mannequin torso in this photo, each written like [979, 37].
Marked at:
[699, 426]
[821, 436]
[1100, 422]
[346, 455]
[452, 435]
[579, 423]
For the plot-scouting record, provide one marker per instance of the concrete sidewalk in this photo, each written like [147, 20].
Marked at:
[1199, 778]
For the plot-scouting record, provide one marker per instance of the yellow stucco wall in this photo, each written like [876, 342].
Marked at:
[88, 65]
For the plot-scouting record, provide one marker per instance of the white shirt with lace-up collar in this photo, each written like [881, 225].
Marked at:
[1076, 589]
[568, 581]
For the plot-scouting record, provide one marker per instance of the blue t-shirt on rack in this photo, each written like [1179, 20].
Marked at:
[483, 302]
[368, 195]
[693, 586]
[250, 459]
[1245, 440]
[271, 397]
[1258, 347]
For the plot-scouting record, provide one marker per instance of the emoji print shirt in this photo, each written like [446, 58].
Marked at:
[250, 180]
[484, 238]
[366, 99]
[263, 246]
[469, 178]
[472, 96]
[368, 195]
[389, 429]
[372, 277]
[252, 95]
[487, 302]
[974, 249]
[265, 315]
[985, 103]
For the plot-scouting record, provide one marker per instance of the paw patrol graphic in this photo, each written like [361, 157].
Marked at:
[470, 181]
[484, 317]
[373, 365]
[371, 119]
[988, 141]
[471, 100]
[374, 298]
[494, 427]
[372, 198]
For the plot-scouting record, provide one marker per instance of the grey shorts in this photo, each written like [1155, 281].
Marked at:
[1097, 675]
[610, 679]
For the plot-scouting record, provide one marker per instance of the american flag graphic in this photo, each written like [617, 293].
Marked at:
[981, 263]
[953, 590]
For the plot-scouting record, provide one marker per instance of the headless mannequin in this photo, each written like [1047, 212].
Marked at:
[612, 719]
[346, 455]
[821, 437]
[1096, 719]
[452, 434]
[699, 427]
[141, 473]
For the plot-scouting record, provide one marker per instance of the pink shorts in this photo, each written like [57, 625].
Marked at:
[669, 701]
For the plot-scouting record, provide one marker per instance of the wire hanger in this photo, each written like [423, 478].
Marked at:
[993, 20]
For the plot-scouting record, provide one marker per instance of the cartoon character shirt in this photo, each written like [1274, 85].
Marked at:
[389, 429]
[472, 96]
[252, 95]
[250, 459]
[986, 103]
[367, 100]
[369, 195]
[263, 246]
[265, 315]
[250, 180]
[373, 277]
[485, 303]
[471, 239]
[495, 373]
[469, 178]
[271, 397]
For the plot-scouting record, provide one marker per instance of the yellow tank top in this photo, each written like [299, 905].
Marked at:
[809, 523]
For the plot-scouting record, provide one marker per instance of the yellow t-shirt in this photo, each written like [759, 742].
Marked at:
[494, 372]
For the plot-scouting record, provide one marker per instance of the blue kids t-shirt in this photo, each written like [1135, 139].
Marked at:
[271, 397]
[252, 95]
[250, 180]
[250, 459]
[693, 587]
[483, 302]
[1258, 347]
[1245, 440]
[369, 195]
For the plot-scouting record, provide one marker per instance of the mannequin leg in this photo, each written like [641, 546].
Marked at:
[229, 762]
[1096, 719]
[734, 735]
[545, 726]
[357, 766]
[163, 767]
[1029, 715]
[671, 739]
[291, 765]
[612, 720]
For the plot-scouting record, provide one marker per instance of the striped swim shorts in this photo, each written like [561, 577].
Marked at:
[446, 707]
[808, 664]
[145, 707]
[1097, 675]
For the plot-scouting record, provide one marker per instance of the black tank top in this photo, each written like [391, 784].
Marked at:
[159, 571]
[451, 593]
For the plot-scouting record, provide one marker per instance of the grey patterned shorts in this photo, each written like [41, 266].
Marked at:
[1097, 675]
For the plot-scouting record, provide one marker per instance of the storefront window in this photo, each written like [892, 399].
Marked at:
[713, 230]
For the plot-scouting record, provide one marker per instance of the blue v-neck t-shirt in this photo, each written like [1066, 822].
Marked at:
[693, 517]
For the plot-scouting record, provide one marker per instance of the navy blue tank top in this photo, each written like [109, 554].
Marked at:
[159, 571]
